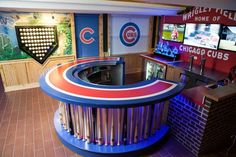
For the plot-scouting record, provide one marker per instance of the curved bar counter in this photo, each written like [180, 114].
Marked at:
[98, 114]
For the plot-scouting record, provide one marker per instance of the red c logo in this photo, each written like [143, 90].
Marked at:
[130, 34]
[82, 35]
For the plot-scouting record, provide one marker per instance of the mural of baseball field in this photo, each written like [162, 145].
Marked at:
[9, 49]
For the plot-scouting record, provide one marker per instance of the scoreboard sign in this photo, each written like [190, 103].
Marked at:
[37, 41]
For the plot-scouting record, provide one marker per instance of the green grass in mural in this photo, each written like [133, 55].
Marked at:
[9, 50]
[65, 31]
[166, 35]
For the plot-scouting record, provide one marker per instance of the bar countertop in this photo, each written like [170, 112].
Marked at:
[208, 73]
[62, 82]
[196, 94]
[221, 93]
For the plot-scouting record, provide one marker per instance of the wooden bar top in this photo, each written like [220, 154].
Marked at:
[221, 93]
[195, 94]
[158, 58]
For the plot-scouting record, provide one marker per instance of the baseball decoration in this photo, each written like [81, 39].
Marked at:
[129, 34]
[37, 41]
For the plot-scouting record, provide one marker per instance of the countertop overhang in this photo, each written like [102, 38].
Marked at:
[60, 83]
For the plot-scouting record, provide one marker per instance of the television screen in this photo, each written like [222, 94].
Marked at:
[173, 32]
[202, 35]
[164, 48]
[228, 38]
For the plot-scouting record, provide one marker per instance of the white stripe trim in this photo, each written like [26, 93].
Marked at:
[102, 89]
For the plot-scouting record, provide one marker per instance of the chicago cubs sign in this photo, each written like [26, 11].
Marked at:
[85, 35]
[129, 34]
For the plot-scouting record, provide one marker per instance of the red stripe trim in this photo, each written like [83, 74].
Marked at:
[56, 78]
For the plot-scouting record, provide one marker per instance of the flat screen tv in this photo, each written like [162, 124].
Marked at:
[202, 35]
[173, 32]
[228, 38]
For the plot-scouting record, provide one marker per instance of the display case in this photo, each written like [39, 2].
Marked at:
[154, 70]
[153, 67]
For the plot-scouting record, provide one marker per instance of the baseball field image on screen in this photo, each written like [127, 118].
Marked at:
[173, 32]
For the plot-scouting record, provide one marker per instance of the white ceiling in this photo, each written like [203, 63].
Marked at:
[222, 4]
[139, 7]
[89, 6]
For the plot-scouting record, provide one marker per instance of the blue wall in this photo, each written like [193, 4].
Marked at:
[87, 35]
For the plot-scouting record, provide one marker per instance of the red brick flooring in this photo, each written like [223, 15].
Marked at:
[26, 118]
[26, 124]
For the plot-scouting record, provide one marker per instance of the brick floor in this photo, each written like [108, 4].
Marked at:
[26, 124]
[27, 129]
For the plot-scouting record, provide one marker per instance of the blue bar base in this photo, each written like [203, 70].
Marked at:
[94, 150]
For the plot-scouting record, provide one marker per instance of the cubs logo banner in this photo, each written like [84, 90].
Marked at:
[87, 40]
[129, 34]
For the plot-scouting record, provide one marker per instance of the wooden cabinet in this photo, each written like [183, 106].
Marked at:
[189, 78]
[170, 73]
[23, 74]
[173, 73]
[178, 74]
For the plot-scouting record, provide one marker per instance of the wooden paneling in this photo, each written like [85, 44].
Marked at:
[150, 34]
[177, 74]
[133, 63]
[34, 70]
[73, 34]
[25, 73]
[100, 27]
[173, 74]
[170, 73]
[15, 73]
[109, 36]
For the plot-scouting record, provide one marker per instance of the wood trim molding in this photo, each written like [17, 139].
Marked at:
[151, 20]
[21, 87]
[73, 38]
[100, 29]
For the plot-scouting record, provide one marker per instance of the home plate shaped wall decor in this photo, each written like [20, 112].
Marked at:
[37, 41]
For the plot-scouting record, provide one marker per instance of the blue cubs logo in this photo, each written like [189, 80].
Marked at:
[129, 34]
